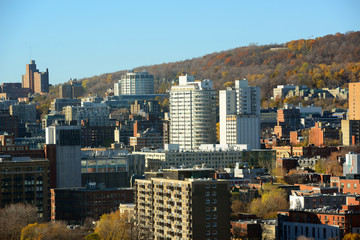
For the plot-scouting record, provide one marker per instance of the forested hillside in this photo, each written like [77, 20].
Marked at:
[330, 61]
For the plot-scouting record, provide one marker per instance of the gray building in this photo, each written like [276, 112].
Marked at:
[24, 112]
[68, 154]
[97, 114]
[134, 83]
[58, 104]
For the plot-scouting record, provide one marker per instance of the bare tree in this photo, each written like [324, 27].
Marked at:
[14, 217]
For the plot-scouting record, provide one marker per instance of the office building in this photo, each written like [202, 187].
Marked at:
[50, 119]
[8, 123]
[216, 157]
[25, 180]
[24, 112]
[96, 114]
[13, 91]
[74, 205]
[37, 82]
[66, 167]
[133, 83]
[58, 104]
[113, 168]
[72, 90]
[240, 115]
[192, 113]
[182, 204]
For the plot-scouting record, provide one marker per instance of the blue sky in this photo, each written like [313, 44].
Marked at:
[77, 39]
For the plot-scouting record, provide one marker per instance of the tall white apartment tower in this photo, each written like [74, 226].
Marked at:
[192, 113]
[240, 115]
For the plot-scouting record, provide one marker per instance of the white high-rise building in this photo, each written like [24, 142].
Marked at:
[192, 113]
[240, 115]
[135, 83]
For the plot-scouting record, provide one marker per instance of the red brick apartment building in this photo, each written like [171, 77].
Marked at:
[321, 223]
[349, 184]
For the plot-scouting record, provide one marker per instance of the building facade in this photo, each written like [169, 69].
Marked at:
[350, 130]
[183, 205]
[24, 112]
[240, 115]
[25, 180]
[37, 82]
[192, 113]
[58, 104]
[354, 101]
[97, 114]
[211, 157]
[74, 205]
[67, 164]
[134, 83]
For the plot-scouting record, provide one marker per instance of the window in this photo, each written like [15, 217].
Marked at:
[214, 216]
[214, 201]
[207, 201]
[207, 217]
[207, 209]
[348, 185]
[355, 186]
[207, 225]
[214, 224]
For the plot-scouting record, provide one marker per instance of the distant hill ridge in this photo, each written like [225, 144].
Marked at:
[331, 61]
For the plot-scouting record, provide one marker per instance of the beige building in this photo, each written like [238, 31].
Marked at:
[354, 101]
[217, 158]
[37, 81]
[182, 204]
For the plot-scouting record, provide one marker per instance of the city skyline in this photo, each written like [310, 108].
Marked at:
[76, 40]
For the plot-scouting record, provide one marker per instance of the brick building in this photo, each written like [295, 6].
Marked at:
[321, 133]
[73, 205]
[25, 180]
[309, 151]
[321, 223]
[347, 184]
[248, 229]
[8, 123]
[37, 82]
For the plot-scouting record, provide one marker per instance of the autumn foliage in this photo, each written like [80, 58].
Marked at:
[272, 199]
[331, 61]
